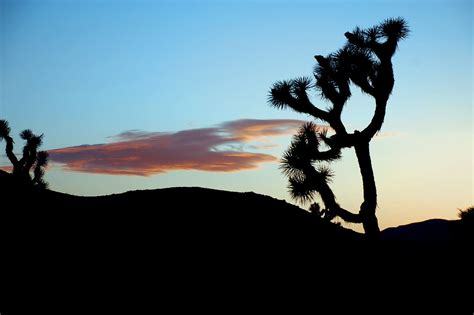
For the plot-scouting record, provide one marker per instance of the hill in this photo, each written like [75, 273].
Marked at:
[433, 230]
[184, 245]
[204, 214]
[191, 213]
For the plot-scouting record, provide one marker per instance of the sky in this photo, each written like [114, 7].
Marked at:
[152, 94]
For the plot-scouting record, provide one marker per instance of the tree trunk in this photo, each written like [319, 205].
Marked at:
[368, 207]
[11, 156]
[376, 123]
[30, 160]
[383, 87]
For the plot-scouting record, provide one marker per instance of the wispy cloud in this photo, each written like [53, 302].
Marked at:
[388, 134]
[220, 149]
[6, 168]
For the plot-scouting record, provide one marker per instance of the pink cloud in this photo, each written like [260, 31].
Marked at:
[6, 168]
[147, 153]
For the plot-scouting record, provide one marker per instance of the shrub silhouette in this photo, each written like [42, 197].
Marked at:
[31, 158]
[467, 214]
[366, 62]
[467, 223]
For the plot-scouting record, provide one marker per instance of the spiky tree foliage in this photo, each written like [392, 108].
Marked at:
[5, 135]
[306, 164]
[4, 129]
[31, 158]
[39, 167]
[467, 214]
[366, 62]
[467, 223]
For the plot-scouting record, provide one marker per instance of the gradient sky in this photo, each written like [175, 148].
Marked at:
[100, 72]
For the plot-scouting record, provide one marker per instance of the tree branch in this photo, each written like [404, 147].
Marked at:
[9, 151]
[38, 174]
[346, 215]
[364, 85]
[318, 113]
[281, 96]
[329, 200]
[329, 155]
[30, 160]
[377, 120]
[360, 42]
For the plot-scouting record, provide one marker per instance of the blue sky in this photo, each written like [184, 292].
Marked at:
[83, 71]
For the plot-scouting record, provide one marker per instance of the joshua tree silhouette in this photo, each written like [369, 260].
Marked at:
[366, 61]
[467, 223]
[31, 157]
[467, 214]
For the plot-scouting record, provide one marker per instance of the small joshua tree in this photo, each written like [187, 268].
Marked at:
[366, 62]
[467, 223]
[467, 214]
[31, 158]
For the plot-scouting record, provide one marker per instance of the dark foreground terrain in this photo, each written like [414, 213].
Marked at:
[215, 250]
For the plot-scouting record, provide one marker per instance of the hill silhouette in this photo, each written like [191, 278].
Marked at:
[211, 216]
[198, 215]
[434, 230]
[194, 213]
[192, 242]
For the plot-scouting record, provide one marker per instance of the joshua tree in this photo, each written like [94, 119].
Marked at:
[467, 214]
[366, 61]
[31, 159]
[467, 223]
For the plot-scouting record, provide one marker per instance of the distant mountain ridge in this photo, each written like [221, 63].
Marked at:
[429, 230]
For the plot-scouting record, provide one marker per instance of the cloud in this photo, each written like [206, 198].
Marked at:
[6, 168]
[381, 135]
[220, 149]
[251, 129]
